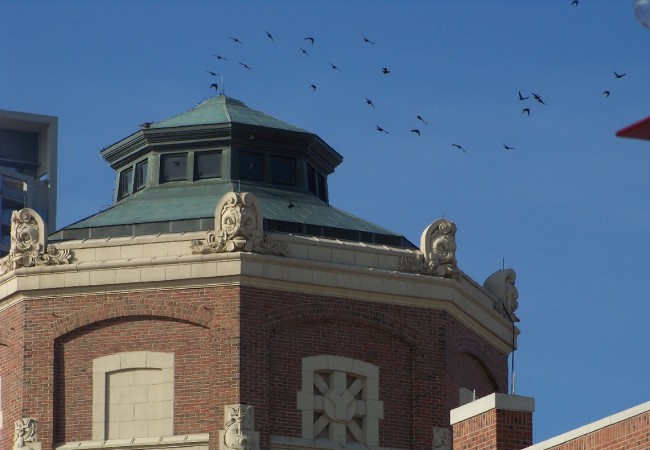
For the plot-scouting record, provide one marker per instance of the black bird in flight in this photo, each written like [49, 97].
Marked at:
[521, 97]
[574, 3]
[385, 70]
[381, 130]
[619, 75]
[508, 148]
[365, 39]
[335, 67]
[214, 86]
[313, 87]
[416, 131]
[290, 205]
[459, 147]
[269, 36]
[419, 117]
[606, 93]
[368, 101]
[246, 66]
[304, 52]
[538, 98]
[236, 40]
[310, 39]
[211, 73]
[526, 111]
[220, 57]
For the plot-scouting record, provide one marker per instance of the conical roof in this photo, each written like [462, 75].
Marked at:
[223, 109]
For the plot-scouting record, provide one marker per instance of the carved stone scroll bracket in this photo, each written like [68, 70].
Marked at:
[29, 245]
[239, 429]
[239, 227]
[501, 284]
[25, 434]
[441, 438]
[437, 255]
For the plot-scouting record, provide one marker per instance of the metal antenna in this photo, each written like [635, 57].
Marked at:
[514, 347]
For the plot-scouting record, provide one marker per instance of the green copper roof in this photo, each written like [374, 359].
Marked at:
[222, 109]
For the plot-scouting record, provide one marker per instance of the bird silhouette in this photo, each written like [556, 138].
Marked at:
[619, 75]
[245, 66]
[538, 98]
[368, 101]
[214, 86]
[365, 39]
[459, 147]
[419, 117]
[290, 205]
[606, 93]
[335, 67]
[211, 73]
[526, 111]
[269, 36]
[304, 52]
[521, 97]
[508, 148]
[220, 57]
[310, 39]
[574, 3]
[385, 70]
[381, 130]
[236, 40]
[416, 131]
[146, 124]
[313, 87]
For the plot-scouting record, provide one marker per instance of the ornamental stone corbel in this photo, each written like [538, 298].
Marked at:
[25, 434]
[437, 255]
[239, 227]
[29, 245]
[501, 284]
[239, 429]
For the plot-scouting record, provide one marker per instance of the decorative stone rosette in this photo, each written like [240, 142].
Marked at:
[501, 284]
[437, 254]
[25, 434]
[238, 228]
[239, 429]
[29, 243]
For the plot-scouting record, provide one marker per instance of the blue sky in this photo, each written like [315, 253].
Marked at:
[567, 208]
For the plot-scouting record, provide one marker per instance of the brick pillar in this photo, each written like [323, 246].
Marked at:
[495, 422]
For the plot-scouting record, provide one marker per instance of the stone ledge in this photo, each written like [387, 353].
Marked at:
[293, 443]
[495, 400]
[592, 427]
[188, 441]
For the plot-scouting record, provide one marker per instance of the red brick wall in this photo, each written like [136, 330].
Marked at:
[629, 434]
[419, 371]
[495, 430]
[11, 371]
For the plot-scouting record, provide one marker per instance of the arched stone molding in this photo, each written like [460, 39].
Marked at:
[133, 395]
[349, 313]
[118, 308]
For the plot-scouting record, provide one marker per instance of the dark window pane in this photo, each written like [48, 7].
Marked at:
[207, 165]
[251, 166]
[140, 175]
[126, 177]
[311, 179]
[173, 167]
[283, 170]
[322, 187]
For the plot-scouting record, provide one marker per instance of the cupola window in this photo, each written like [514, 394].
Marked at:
[126, 178]
[207, 165]
[140, 175]
[173, 167]
[251, 166]
[316, 183]
[283, 170]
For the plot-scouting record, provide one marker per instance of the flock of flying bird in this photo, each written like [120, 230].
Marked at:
[385, 71]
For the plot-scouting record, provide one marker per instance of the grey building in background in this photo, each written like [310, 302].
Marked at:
[28, 170]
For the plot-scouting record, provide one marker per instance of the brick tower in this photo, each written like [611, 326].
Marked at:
[221, 302]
